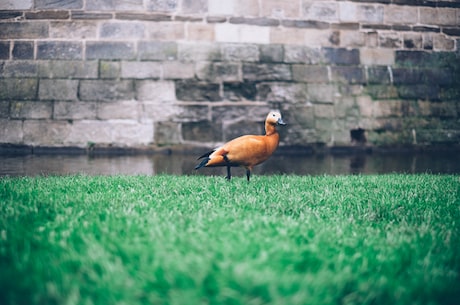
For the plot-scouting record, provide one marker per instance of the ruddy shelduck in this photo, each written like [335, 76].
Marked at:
[246, 151]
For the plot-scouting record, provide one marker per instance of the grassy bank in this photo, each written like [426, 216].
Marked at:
[392, 239]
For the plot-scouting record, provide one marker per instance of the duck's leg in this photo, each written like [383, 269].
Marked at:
[229, 174]
[248, 173]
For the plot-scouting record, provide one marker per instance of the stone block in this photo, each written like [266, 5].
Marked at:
[22, 50]
[271, 53]
[387, 108]
[246, 8]
[18, 89]
[178, 70]
[202, 132]
[11, 131]
[232, 130]
[18, 68]
[48, 15]
[218, 71]
[31, 110]
[263, 72]
[84, 15]
[390, 40]
[370, 13]
[62, 4]
[352, 39]
[58, 89]
[110, 50]
[141, 69]
[397, 14]
[118, 110]
[4, 109]
[109, 69]
[162, 5]
[348, 11]
[169, 111]
[225, 32]
[24, 30]
[442, 43]
[323, 10]
[157, 91]
[68, 69]
[324, 111]
[122, 30]
[45, 132]
[261, 21]
[378, 75]
[302, 54]
[419, 91]
[157, 50]
[408, 76]
[323, 93]
[348, 74]
[282, 92]
[289, 36]
[365, 105]
[240, 52]
[200, 32]
[280, 9]
[218, 7]
[110, 5]
[412, 41]
[438, 16]
[341, 56]
[194, 6]
[254, 113]
[382, 91]
[5, 50]
[59, 50]
[197, 91]
[236, 91]
[106, 90]
[372, 57]
[321, 38]
[167, 133]
[16, 4]
[74, 110]
[310, 74]
[166, 31]
[73, 29]
[199, 52]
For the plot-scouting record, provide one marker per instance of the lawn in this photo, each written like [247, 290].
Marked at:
[389, 239]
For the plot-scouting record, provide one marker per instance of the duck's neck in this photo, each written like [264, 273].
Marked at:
[270, 129]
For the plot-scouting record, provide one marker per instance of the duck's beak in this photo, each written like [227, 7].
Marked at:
[280, 122]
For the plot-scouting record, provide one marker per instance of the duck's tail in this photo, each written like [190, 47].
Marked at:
[205, 160]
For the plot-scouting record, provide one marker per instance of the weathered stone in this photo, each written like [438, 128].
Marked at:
[390, 40]
[58, 89]
[352, 39]
[324, 11]
[17, 4]
[47, 15]
[378, 75]
[382, 91]
[203, 131]
[82, 15]
[310, 74]
[174, 112]
[194, 6]
[24, 30]
[110, 5]
[68, 69]
[106, 90]
[255, 21]
[200, 32]
[412, 41]
[282, 92]
[348, 74]
[22, 50]
[141, 69]
[122, 30]
[255, 113]
[322, 93]
[74, 110]
[109, 69]
[371, 56]
[4, 109]
[451, 31]
[45, 132]
[158, 91]
[62, 4]
[438, 16]
[110, 50]
[240, 91]
[305, 24]
[400, 14]
[324, 111]
[365, 105]
[73, 29]
[419, 91]
[154, 50]
[178, 70]
[271, 53]
[240, 52]
[302, 54]
[166, 31]
[232, 33]
[18, 68]
[233, 130]
[18, 89]
[387, 108]
[197, 91]
[118, 110]
[4, 49]
[408, 76]
[287, 36]
[162, 5]
[199, 52]
[263, 72]
[341, 56]
[11, 131]
[167, 133]
[218, 71]
[246, 8]
[370, 13]
[280, 9]
[31, 110]
[10, 14]
[443, 43]
[59, 50]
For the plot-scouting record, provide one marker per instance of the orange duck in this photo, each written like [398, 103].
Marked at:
[247, 151]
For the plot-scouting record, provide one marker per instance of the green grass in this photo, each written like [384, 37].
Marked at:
[391, 239]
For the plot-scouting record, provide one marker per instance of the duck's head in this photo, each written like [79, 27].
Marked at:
[274, 118]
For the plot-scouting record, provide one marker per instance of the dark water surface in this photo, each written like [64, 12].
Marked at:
[33, 165]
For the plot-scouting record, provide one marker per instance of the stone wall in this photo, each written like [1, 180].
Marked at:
[146, 73]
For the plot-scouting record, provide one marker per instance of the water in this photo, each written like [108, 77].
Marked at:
[33, 165]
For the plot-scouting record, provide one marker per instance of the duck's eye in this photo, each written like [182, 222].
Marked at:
[273, 115]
